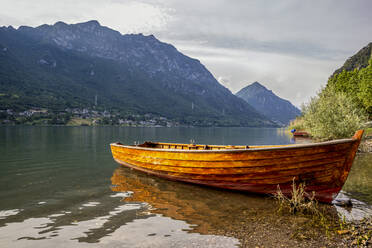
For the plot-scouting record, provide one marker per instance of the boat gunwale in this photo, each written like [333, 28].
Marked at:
[265, 148]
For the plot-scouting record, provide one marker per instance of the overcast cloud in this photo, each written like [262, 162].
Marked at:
[289, 46]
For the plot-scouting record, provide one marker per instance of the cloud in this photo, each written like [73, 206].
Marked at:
[317, 28]
[125, 16]
[225, 80]
[290, 46]
[291, 77]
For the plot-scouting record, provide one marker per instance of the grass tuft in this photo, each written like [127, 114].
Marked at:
[300, 201]
[354, 234]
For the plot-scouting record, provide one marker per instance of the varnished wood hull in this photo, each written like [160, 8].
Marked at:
[323, 167]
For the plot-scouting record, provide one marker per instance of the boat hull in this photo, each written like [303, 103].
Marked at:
[323, 167]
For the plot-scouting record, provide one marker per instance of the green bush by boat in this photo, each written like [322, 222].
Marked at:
[342, 107]
[332, 114]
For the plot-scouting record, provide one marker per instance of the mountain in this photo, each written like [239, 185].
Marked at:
[357, 61]
[266, 102]
[354, 79]
[71, 65]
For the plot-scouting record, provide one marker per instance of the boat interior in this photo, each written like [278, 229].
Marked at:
[175, 146]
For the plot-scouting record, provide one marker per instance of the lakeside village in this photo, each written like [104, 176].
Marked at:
[81, 117]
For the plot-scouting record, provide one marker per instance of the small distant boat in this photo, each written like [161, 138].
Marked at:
[301, 134]
[298, 133]
[323, 167]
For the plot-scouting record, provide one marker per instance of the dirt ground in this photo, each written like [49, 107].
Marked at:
[286, 230]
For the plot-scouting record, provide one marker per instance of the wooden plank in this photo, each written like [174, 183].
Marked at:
[274, 167]
[234, 156]
[232, 175]
[283, 162]
[325, 175]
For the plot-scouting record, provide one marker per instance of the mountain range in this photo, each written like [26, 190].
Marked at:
[279, 110]
[87, 65]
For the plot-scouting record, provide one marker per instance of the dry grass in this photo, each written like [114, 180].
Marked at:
[300, 200]
[305, 204]
[301, 203]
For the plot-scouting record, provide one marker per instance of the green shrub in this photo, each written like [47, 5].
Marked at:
[357, 84]
[297, 124]
[332, 114]
[365, 87]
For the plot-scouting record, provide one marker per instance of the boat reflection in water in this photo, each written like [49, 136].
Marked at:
[213, 211]
[208, 209]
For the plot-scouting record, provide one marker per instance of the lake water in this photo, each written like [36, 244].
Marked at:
[60, 187]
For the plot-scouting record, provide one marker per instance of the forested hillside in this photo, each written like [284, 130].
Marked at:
[355, 78]
[86, 66]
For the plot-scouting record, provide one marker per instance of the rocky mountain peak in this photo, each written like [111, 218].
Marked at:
[59, 24]
[10, 27]
[146, 53]
[254, 89]
[92, 23]
[266, 102]
[92, 26]
[257, 85]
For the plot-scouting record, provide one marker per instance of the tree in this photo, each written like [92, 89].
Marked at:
[365, 87]
[332, 114]
[357, 84]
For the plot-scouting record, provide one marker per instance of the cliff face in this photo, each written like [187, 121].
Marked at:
[64, 65]
[266, 102]
[144, 52]
[354, 78]
[357, 61]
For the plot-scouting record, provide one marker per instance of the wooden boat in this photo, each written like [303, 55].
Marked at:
[323, 167]
[301, 134]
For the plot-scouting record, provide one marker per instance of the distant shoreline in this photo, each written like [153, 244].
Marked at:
[108, 125]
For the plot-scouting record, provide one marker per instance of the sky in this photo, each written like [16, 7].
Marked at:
[289, 46]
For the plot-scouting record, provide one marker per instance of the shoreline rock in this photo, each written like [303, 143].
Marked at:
[366, 145]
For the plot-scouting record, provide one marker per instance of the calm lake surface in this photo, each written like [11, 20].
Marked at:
[60, 187]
